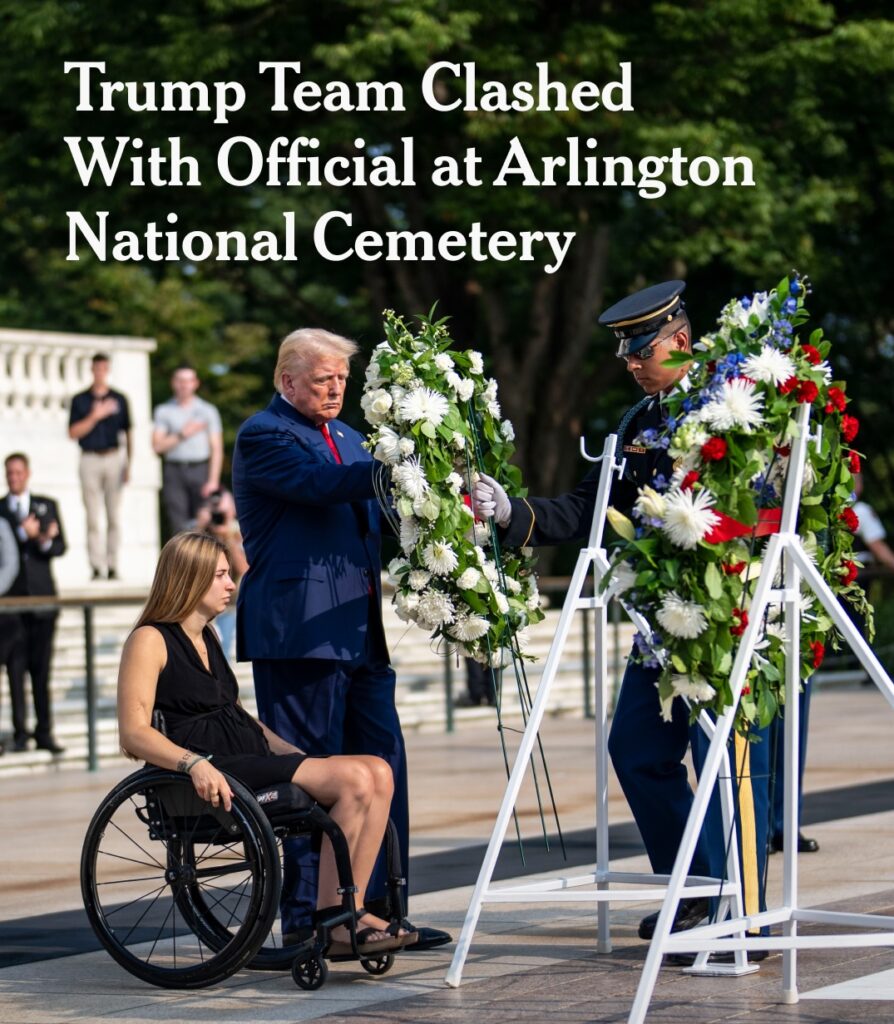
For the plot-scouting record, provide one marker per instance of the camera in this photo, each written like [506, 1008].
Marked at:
[218, 518]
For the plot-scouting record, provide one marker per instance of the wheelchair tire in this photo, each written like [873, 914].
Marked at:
[158, 864]
[381, 964]
[311, 973]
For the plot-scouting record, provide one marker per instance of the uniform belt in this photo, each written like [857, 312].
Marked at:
[101, 451]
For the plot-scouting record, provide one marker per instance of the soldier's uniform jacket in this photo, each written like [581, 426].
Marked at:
[542, 521]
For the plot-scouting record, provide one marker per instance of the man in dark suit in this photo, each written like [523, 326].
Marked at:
[38, 530]
[309, 607]
[647, 752]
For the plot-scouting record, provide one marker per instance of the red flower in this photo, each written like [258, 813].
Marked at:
[837, 400]
[714, 449]
[850, 426]
[783, 449]
[740, 620]
[819, 652]
[788, 385]
[746, 689]
[806, 391]
[854, 464]
[850, 519]
[848, 572]
[688, 480]
[732, 568]
[812, 354]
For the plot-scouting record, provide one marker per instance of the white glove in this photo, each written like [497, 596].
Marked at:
[490, 501]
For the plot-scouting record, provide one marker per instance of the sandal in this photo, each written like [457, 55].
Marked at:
[366, 945]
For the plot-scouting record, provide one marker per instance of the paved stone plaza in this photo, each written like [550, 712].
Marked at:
[527, 962]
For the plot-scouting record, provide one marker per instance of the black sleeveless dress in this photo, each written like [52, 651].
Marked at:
[201, 712]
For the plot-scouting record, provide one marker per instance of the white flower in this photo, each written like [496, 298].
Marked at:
[395, 567]
[405, 605]
[463, 387]
[490, 392]
[490, 571]
[397, 396]
[523, 638]
[738, 406]
[374, 378]
[507, 430]
[376, 405]
[434, 609]
[667, 714]
[534, 602]
[695, 688]
[424, 404]
[468, 580]
[527, 552]
[687, 439]
[387, 446]
[406, 446]
[418, 579]
[410, 478]
[650, 503]
[443, 362]
[623, 577]
[502, 603]
[739, 314]
[481, 534]
[826, 371]
[440, 557]
[409, 534]
[455, 482]
[681, 618]
[688, 516]
[469, 628]
[513, 586]
[459, 442]
[770, 366]
[476, 362]
[480, 555]
[494, 409]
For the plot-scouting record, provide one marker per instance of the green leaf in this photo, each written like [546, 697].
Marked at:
[713, 581]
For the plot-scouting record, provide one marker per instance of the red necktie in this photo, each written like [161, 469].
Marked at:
[327, 437]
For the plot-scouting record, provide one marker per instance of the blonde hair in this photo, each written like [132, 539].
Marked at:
[302, 349]
[185, 571]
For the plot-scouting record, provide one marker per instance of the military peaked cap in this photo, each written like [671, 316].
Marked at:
[638, 318]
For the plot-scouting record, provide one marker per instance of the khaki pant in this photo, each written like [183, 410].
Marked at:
[101, 483]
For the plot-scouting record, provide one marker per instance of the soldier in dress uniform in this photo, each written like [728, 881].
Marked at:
[647, 752]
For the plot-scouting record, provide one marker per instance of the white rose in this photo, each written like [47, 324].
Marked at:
[443, 362]
[477, 363]
[469, 579]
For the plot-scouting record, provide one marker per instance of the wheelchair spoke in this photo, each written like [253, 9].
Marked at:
[142, 916]
[230, 892]
[137, 899]
[131, 839]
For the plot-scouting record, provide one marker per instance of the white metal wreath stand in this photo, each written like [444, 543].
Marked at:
[784, 553]
[593, 559]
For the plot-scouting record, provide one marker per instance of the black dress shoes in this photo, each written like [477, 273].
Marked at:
[429, 938]
[805, 843]
[50, 744]
[726, 957]
[689, 914]
[20, 743]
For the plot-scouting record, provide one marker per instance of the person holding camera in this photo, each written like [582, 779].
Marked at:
[217, 517]
[35, 522]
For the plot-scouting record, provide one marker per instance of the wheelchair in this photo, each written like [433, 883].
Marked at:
[183, 894]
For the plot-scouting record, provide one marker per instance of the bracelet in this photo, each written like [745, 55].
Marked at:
[186, 765]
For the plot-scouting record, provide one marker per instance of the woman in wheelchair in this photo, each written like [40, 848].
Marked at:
[172, 663]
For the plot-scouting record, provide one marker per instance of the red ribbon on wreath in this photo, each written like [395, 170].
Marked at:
[727, 528]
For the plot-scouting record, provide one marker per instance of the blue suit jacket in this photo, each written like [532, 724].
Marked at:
[311, 530]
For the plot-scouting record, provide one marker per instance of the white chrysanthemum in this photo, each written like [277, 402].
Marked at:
[395, 567]
[650, 503]
[469, 579]
[406, 447]
[770, 366]
[476, 362]
[424, 404]
[455, 482]
[409, 534]
[388, 446]
[418, 579]
[739, 405]
[695, 688]
[623, 577]
[405, 605]
[410, 479]
[826, 371]
[439, 557]
[458, 441]
[434, 609]
[681, 618]
[376, 405]
[443, 362]
[507, 430]
[502, 603]
[688, 516]
[513, 586]
[490, 571]
[469, 628]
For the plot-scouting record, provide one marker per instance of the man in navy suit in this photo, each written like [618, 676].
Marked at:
[309, 607]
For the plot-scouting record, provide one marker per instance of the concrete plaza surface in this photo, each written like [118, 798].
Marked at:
[527, 962]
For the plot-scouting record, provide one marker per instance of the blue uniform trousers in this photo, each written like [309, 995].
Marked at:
[647, 754]
[333, 707]
[777, 757]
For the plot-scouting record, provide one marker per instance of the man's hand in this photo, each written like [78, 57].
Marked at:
[192, 427]
[104, 407]
[490, 501]
[31, 525]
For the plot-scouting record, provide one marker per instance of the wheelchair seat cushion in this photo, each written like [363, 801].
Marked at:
[283, 801]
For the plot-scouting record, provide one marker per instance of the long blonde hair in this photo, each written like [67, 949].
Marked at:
[185, 571]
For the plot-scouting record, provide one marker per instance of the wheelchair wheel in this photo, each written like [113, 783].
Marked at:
[381, 964]
[310, 974]
[181, 894]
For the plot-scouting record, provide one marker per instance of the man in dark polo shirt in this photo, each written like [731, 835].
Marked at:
[98, 418]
